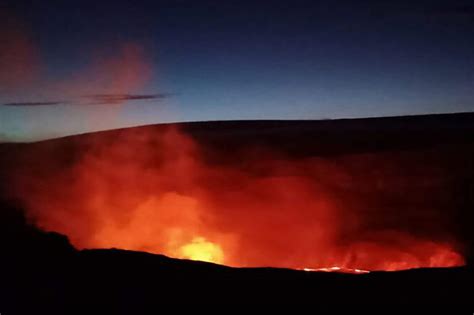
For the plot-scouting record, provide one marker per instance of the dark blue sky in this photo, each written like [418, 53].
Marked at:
[221, 60]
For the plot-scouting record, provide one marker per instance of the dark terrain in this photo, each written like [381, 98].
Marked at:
[42, 271]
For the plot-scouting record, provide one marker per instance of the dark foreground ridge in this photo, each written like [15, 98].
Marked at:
[42, 271]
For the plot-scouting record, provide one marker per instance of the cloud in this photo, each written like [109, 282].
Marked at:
[119, 98]
[95, 99]
[33, 103]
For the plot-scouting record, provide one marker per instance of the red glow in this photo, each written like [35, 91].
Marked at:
[156, 192]
[121, 70]
[18, 57]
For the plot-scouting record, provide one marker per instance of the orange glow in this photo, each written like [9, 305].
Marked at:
[337, 269]
[202, 250]
[163, 192]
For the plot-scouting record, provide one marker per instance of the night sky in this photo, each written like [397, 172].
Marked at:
[69, 67]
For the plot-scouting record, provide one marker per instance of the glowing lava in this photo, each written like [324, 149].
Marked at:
[202, 250]
[338, 269]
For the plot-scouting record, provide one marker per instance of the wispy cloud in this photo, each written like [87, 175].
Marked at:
[95, 99]
[119, 98]
[33, 103]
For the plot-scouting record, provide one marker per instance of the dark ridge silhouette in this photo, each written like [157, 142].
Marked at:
[327, 137]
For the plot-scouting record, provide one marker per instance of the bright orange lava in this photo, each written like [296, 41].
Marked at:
[338, 269]
[202, 250]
